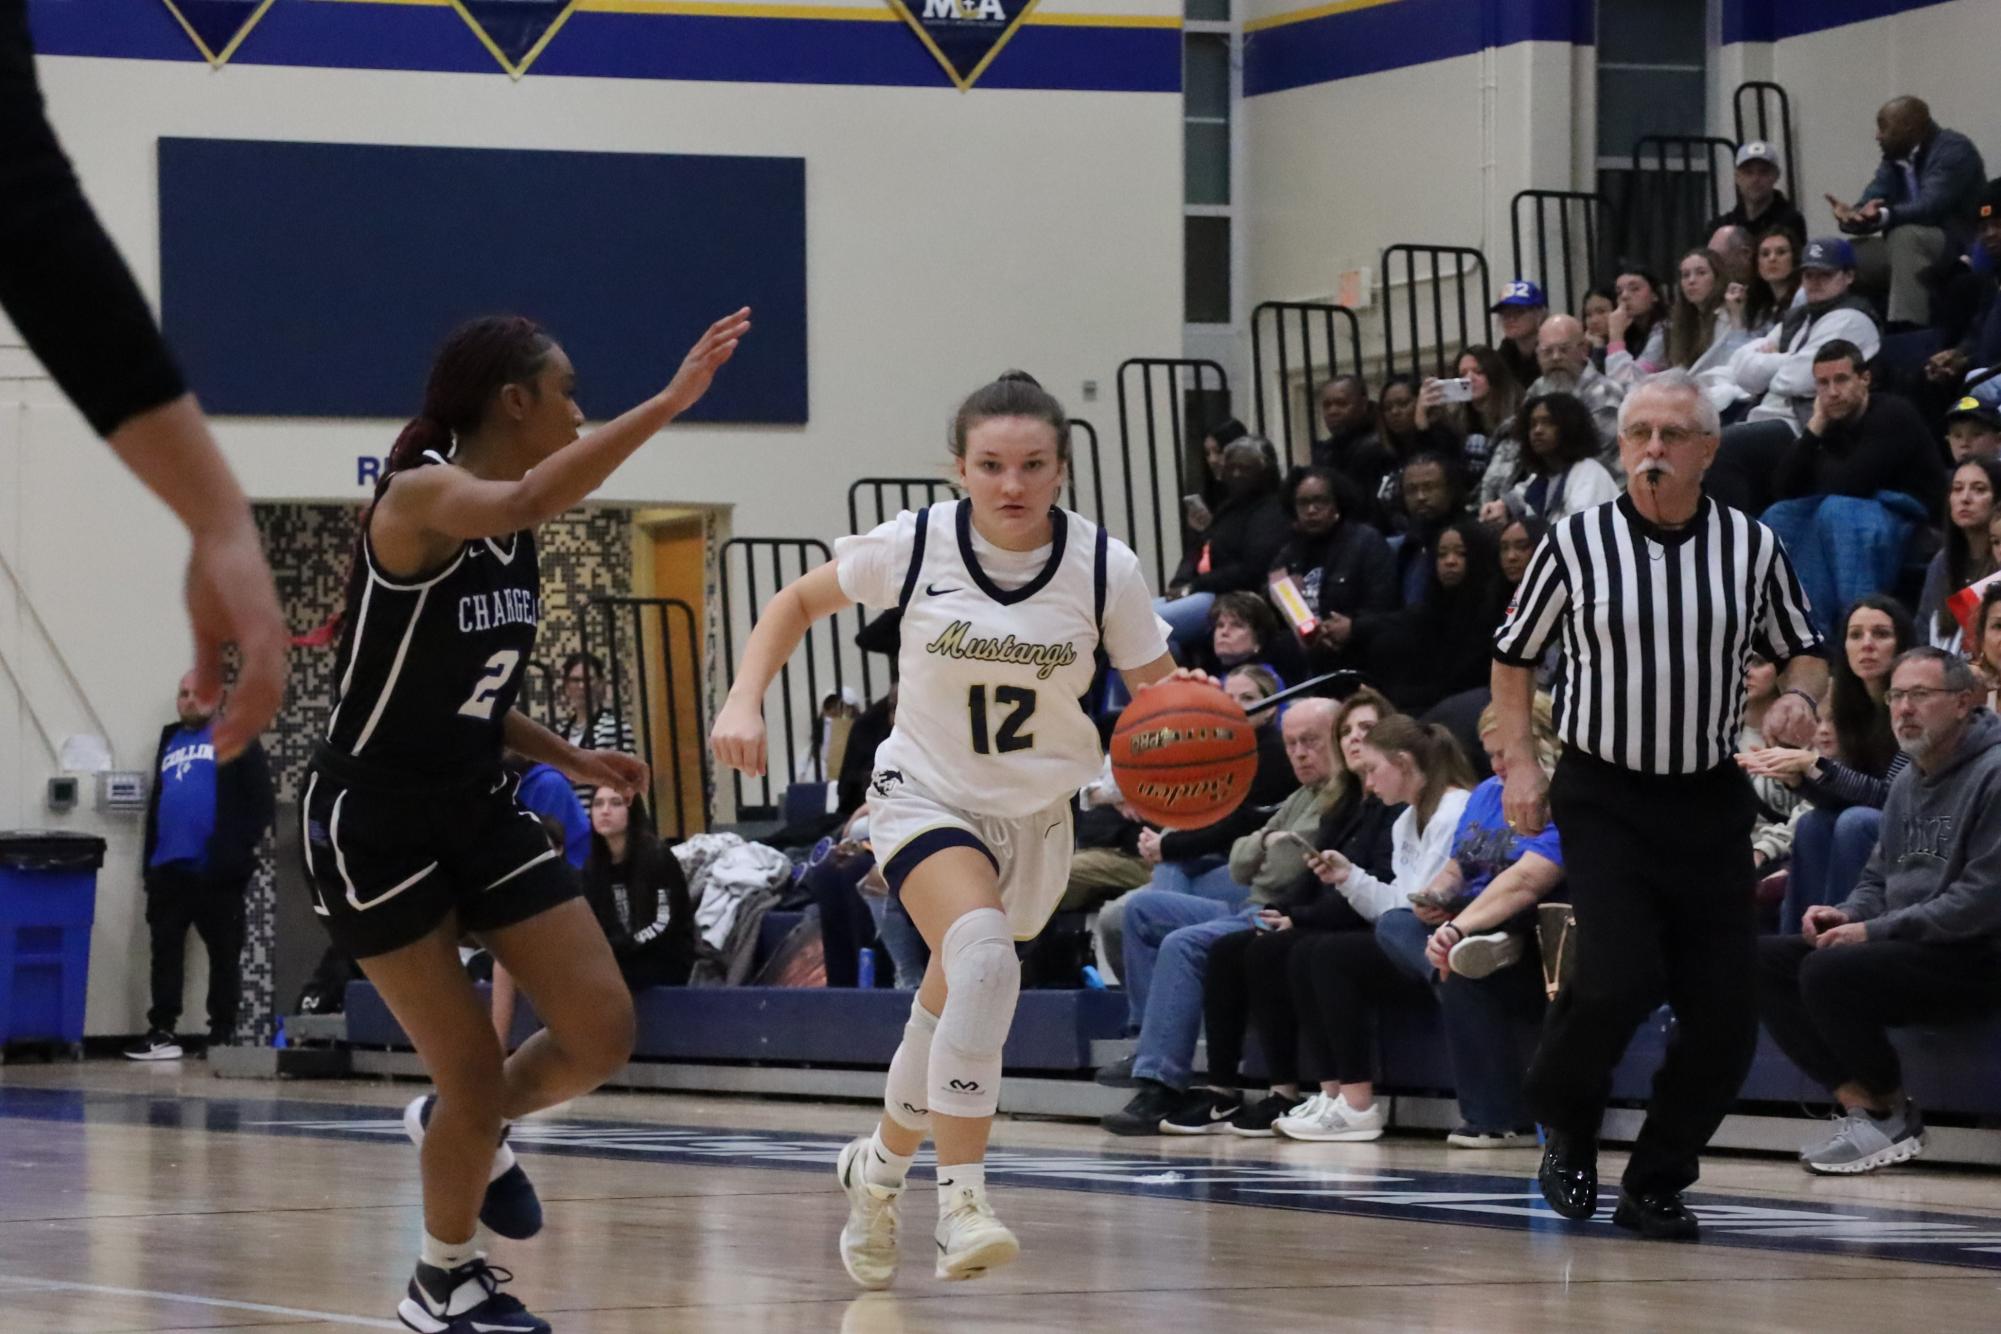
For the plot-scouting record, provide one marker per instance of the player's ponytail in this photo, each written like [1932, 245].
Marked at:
[478, 360]
[1014, 394]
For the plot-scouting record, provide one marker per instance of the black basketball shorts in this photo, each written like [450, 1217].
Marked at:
[387, 866]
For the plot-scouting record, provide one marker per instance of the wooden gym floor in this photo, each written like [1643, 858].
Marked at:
[156, 1198]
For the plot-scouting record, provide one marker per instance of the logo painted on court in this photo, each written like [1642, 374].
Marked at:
[964, 36]
[217, 27]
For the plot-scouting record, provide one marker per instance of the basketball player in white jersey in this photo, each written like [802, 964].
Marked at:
[1006, 601]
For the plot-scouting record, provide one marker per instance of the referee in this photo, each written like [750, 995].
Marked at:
[1657, 598]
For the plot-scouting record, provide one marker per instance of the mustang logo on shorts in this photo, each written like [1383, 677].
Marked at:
[886, 780]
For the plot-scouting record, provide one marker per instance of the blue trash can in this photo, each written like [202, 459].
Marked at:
[48, 897]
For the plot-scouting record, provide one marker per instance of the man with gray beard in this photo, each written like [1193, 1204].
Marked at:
[1565, 357]
[1920, 938]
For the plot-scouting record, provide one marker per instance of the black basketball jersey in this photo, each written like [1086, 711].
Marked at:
[429, 667]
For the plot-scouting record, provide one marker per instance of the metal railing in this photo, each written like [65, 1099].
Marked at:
[667, 698]
[1568, 249]
[1770, 105]
[797, 692]
[1450, 267]
[1677, 186]
[1173, 394]
[1300, 371]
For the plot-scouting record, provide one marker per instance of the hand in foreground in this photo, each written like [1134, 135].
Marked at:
[698, 369]
[625, 774]
[737, 739]
[231, 599]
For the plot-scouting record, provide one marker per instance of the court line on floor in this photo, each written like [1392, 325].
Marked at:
[24, 1283]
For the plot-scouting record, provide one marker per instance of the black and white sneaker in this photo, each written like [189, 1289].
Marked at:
[1202, 1111]
[511, 1207]
[466, 1300]
[1254, 1120]
[155, 1046]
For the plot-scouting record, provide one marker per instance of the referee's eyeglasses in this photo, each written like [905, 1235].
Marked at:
[1674, 437]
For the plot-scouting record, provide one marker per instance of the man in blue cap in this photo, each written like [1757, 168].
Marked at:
[1522, 309]
[1973, 424]
[1776, 374]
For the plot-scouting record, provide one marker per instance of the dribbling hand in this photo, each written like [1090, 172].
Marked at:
[625, 774]
[737, 739]
[705, 358]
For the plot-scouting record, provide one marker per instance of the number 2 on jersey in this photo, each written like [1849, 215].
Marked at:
[499, 668]
[1009, 738]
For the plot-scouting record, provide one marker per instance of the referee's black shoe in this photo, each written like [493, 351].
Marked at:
[1569, 1175]
[1657, 1216]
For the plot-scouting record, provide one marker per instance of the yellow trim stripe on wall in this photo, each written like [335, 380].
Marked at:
[845, 13]
[1316, 12]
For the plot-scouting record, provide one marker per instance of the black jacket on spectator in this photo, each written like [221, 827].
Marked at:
[1780, 213]
[245, 805]
[1273, 784]
[651, 874]
[1357, 572]
[1242, 540]
[1886, 448]
[1362, 458]
[870, 730]
[1442, 645]
[1359, 829]
[1522, 365]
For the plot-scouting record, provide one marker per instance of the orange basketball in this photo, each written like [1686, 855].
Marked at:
[1184, 754]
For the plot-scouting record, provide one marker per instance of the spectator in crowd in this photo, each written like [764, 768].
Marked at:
[1521, 310]
[825, 753]
[1474, 429]
[1772, 830]
[1106, 864]
[1248, 971]
[1441, 644]
[1707, 323]
[1761, 206]
[1567, 369]
[204, 822]
[1518, 541]
[1237, 548]
[870, 730]
[590, 721]
[1429, 486]
[1857, 443]
[1967, 556]
[1168, 935]
[1917, 209]
[1213, 492]
[635, 886]
[836, 879]
[1596, 317]
[1489, 887]
[1973, 424]
[1776, 374]
[1833, 839]
[1774, 284]
[1980, 345]
[1636, 329]
[1561, 473]
[1396, 424]
[1243, 630]
[1736, 251]
[1343, 567]
[1987, 652]
[1341, 974]
[1353, 448]
[1918, 940]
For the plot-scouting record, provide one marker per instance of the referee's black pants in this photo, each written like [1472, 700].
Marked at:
[1659, 873]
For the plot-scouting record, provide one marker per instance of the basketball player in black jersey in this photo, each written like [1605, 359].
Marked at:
[412, 832]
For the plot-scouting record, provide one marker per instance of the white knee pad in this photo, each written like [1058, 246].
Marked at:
[983, 981]
[905, 1097]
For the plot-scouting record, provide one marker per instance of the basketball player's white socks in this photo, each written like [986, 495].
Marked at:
[883, 1168]
[959, 1185]
[450, 1255]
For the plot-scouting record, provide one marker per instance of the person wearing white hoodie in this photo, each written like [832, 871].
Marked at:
[1340, 978]
[1776, 374]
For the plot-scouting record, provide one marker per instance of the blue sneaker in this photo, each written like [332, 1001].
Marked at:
[466, 1300]
[511, 1208]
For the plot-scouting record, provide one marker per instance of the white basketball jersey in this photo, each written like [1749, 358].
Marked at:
[988, 718]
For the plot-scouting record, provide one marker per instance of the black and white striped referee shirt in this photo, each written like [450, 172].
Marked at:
[1656, 628]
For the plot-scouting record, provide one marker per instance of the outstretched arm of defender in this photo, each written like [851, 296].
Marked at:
[737, 739]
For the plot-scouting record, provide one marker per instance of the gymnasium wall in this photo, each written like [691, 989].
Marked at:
[1032, 221]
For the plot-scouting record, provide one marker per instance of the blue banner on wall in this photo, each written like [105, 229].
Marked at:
[964, 36]
[217, 27]
[319, 279]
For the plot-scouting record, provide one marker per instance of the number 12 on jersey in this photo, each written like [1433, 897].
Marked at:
[1022, 705]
